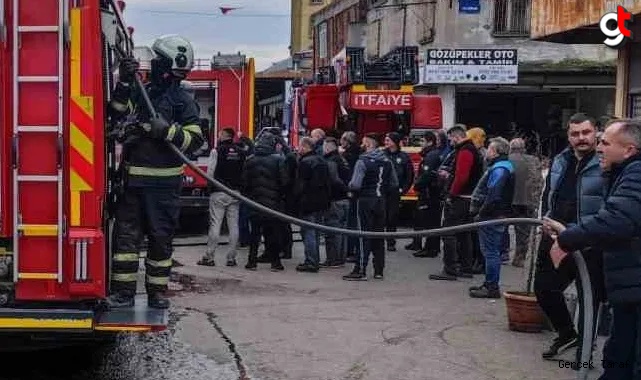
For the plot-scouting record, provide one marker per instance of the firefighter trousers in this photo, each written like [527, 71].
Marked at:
[152, 211]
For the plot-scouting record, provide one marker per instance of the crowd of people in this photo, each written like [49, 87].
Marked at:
[462, 178]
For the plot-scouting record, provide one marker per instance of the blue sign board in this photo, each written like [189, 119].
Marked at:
[469, 6]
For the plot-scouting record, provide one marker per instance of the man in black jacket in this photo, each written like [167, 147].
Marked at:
[264, 180]
[312, 192]
[616, 228]
[226, 165]
[405, 174]
[336, 215]
[429, 212]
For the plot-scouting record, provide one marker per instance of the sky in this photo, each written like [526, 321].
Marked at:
[259, 29]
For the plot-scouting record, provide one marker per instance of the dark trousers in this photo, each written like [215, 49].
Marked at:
[428, 217]
[244, 234]
[622, 350]
[549, 284]
[392, 210]
[271, 230]
[371, 217]
[150, 210]
[353, 242]
[457, 249]
[287, 240]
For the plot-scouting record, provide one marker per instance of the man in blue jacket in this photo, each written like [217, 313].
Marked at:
[616, 228]
[494, 193]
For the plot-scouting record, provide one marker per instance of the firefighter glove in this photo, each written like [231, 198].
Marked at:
[157, 128]
[128, 69]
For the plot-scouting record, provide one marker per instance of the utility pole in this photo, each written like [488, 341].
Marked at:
[404, 7]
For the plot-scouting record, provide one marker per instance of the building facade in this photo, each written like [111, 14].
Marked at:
[301, 31]
[567, 21]
[531, 86]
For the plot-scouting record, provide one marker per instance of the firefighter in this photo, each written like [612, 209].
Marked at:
[152, 171]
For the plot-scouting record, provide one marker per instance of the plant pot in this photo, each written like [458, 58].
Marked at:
[523, 312]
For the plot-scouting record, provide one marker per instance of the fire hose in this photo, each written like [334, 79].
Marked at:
[584, 277]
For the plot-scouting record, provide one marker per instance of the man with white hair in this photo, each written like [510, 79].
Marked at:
[492, 199]
[318, 137]
[616, 229]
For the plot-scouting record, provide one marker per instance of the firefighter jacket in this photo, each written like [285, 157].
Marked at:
[404, 169]
[148, 161]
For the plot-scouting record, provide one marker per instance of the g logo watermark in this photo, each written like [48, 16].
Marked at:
[616, 35]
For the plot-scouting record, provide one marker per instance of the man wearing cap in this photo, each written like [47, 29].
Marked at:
[373, 180]
[405, 174]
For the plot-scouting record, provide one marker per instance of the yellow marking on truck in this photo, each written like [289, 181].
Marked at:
[39, 229]
[38, 276]
[363, 88]
[81, 143]
[35, 323]
[75, 208]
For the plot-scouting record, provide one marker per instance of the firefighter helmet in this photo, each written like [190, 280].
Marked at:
[176, 49]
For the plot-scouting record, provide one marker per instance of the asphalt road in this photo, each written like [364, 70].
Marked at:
[232, 324]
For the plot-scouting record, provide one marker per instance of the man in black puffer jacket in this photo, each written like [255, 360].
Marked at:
[265, 180]
[336, 215]
[616, 228]
[312, 191]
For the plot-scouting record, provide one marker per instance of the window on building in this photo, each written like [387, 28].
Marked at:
[512, 18]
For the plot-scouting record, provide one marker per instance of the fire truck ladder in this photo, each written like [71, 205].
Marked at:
[31, 182]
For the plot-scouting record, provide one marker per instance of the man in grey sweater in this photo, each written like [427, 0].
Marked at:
[527, 195]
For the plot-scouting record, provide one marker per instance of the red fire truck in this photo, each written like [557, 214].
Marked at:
[57, 59]
[224, 90]
[350, 93]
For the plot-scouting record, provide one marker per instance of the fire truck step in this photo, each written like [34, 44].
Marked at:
[38, 178]
[38, 28]
[139, 318]
[38, 229]
[38, 276]
[37, 128]
[38, 79]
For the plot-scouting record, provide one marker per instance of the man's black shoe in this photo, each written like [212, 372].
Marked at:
[120, 300]
[307, 268]
[413, 246]
[157, 301]
[443, 276]
[486, 291]
[425, 253]
[277, 267]
[355, 276]
[561, 344]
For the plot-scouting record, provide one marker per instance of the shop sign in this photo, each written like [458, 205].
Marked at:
[381, 101]
[472, 66]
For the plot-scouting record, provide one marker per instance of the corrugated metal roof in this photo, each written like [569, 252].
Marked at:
[555, 16]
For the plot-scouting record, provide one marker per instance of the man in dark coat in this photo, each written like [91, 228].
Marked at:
[264, 180]
[616, 228]
[429, 212]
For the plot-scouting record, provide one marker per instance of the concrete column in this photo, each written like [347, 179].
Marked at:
[448, 98]
[623, 66]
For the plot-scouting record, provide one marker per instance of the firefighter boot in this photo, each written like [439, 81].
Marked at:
[158, 300]
[120, 300]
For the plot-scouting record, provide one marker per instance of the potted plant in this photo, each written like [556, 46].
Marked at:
[523, 311]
